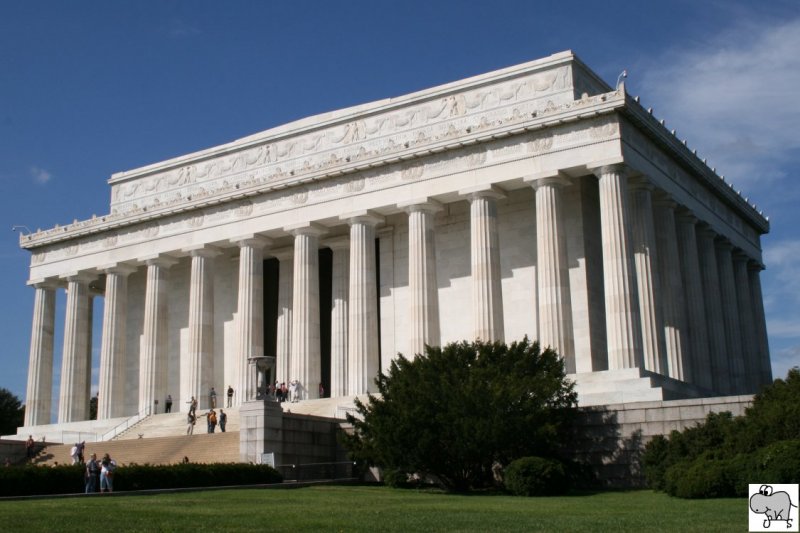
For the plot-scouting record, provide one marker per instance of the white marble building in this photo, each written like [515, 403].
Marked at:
[535, 200]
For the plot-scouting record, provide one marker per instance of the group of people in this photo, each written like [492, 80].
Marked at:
[211, 418]
[282, 393]
[99, 474]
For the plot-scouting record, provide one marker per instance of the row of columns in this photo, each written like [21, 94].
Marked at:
[674, 292]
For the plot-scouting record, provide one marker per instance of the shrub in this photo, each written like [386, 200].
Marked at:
[720, 456]
[704, 477]
[535, 476]
[68, 479]
[777, 463]
[453, 412]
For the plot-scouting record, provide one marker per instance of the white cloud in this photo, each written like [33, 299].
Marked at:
[40, 175]
[784, 271]
[734, 98]
[783, 360]
[180, 29]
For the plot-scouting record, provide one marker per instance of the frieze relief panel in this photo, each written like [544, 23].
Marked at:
[532, 144]
[276, 176]
[372, 136]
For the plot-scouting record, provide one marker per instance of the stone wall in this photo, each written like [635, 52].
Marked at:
[613, 436]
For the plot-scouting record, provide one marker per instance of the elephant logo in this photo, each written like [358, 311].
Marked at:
[775, 503]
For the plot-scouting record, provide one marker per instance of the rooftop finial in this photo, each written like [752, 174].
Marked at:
[622, 76]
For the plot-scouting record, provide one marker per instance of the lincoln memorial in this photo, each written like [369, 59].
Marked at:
[534, 201]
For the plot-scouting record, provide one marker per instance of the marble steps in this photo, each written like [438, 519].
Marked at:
[199, 448]
[631, 385]
[323, 407]
[174, 425]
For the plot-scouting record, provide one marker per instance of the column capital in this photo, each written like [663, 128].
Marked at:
[482, 191]
[541, 179]
[119, 268]
[425, 205]
[640, 182]
[362, 217]
[722, 243]
[46, 283]
[740, 256]
[159, 260]
[202, 250]
[704, 230]
[686, 215]
[80, 277]
[664, 199]
[253, 240]
[614, 165]
[312, 229]
[337, 243]
[755, 265]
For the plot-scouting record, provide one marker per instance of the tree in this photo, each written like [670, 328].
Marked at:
[12, 412]
[453, 412]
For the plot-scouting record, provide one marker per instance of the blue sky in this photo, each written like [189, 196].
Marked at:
[88, 88]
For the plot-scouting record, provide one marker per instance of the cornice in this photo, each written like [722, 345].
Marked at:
[689, 160]
[519, 119]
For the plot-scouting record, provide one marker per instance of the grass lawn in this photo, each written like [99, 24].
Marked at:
[372, 508]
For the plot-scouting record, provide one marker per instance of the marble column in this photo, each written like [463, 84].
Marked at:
[74, 400]
[555, 303]
[285, 259]
[197, 363]
[38, 400]
[249, 313]
[730, 316]
[423, 289]
[362, 323]
[623, 321]
[340, 286]
[695, 304]
[306, 364]
[747, 334]
[487, 295]
[759, 319]
[715, 324]
[673, 304]
[155, 343]
[645, 258]
[111, 382]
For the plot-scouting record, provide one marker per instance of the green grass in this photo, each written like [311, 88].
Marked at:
[370, 508]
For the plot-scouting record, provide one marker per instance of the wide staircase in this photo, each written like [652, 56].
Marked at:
[162, 439]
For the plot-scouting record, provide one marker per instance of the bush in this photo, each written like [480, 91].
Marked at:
[778, 463]
[535, 476]
[720, 456]
[704, 477]
[453, 412]
[68, 479]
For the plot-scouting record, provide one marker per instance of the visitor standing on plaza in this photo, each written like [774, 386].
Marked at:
[192, 406]
[230, 396]
[212, 398]
[223, 420]
[168, 404]
[30, 448]
[211, 418]
[73, 453]
[107, 467]
[92, 474]
[191, 419]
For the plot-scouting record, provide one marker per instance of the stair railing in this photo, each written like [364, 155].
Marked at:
[126, 424]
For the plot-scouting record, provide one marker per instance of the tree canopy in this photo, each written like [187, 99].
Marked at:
[12, 412]
[453, 412]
